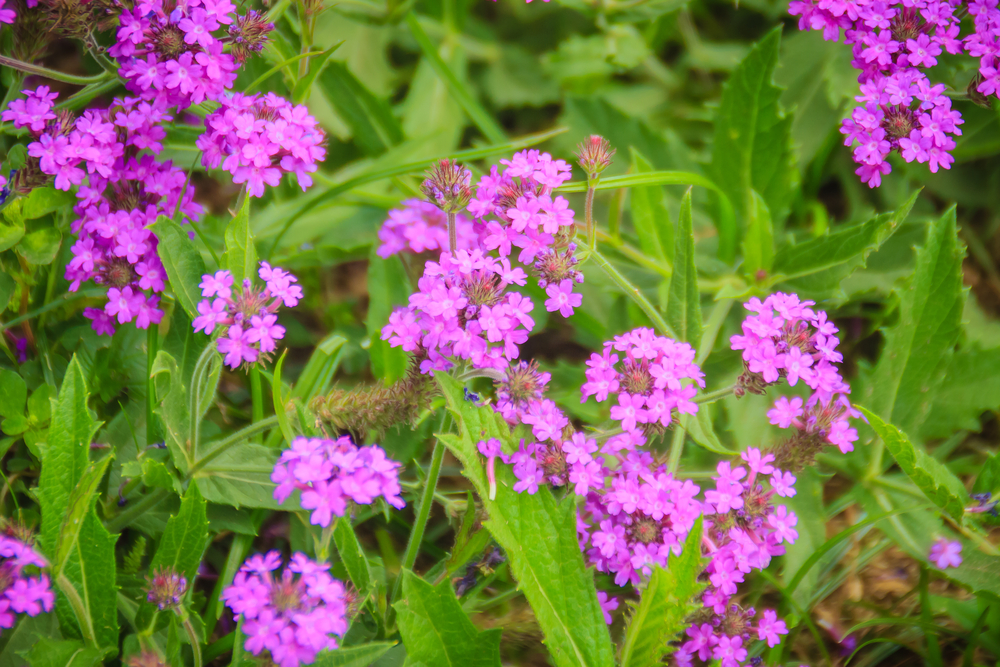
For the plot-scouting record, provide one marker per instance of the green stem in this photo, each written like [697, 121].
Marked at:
[424, 512]
[235, 438]
[38, 70]
[256, 394]
[452, 234]
[632, 292]
[141, 506]
[79, 609]
[713, 396]
[152, 343]
[62, 300]
[676, 448]
[193, 638]
[323, 552]
[588, 212]
[107, 83]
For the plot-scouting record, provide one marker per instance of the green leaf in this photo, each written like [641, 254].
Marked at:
[81, 501]
[551, 571]
[353, 656]
[352, 555]
[172, 408]
[241, 477]
[182, 262]
[977, 571]
[684, 299]
[969, 389]
[13, 394]
[668, 598]
[752, 146]
[185, 537]
[758, 243]
[10, 233]
[935, 480]
[87, 583]
[43, 201]
[436, 630]
[318, 63]
[988, 479]
[66, 653]
[699, 426]
[241, 254]
[279, 401]
[7, 284]
[64, 458]
[839, 254]
[40, 246]
[650, 216]
[918, 348]
[372, 123]
[388, 287]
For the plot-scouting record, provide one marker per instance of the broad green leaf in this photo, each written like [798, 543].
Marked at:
[650, 216]
[10, 233]
[666, 601]
[977, 571]
[758, 243]
[436, 630]
[279, 400]
[65, 653]
[318, 63]
[87, 584]
[182, 262]
[172, 408]
[807, 503]
[684, 299]
[352, 555]
[969, 389]
[372, 123]
[64, 458]
[918, 348]
[13, 394]
[353, 656]
[988, 479]
[81, 501]
[841, 252]
[16, 641]
[241, 254]
[551, 571]
[319, 370]
[699, 426]
[752, 149]
[184, 538]
[40, 246]
[388, 287]
[7, 284]
[43, 201]
[241, 477]
[935, 480]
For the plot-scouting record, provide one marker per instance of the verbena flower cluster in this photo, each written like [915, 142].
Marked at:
[259, 138]
[294, 615]
[123, 188]
[893, 42]
[166, 588]
[656, 378]
[21, 594]
[7, 15]
[420, 226]
[247, 316]
[331, 473]
[462, 309]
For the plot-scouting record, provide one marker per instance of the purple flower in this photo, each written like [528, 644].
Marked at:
[945, 553]
[236, 348]
[561, 298]
[22, 594]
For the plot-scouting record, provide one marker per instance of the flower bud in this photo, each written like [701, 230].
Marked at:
[448, 186]
[166, 588]
[594, 155]
[249, 35]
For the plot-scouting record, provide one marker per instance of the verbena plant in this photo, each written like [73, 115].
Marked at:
[315, 352]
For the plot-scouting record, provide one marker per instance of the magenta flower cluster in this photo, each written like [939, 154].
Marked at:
[123, 188]
[655, 379]
[9, 15]
[893, 42]
[294, 615]
[22, 594]
[259, 138]
[248, 317]
[463, 310]
[787, 339]
[420, 226]
[331, 473]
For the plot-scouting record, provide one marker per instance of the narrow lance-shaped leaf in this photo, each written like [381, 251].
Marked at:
[758, 243]
[684, 299]
[353, 656]
[371, 120]
[436, 630]
[539, 537]
[917, 349]
[665, 602]
[649, 215]
[241, 253]
[87, 585]
[352, 555]
[182, 262]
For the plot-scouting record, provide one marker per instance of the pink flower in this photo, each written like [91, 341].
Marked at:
[236, 348]
[562, 298]
[945, 553]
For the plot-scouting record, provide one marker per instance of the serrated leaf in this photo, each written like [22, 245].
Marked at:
[182, 262]
[668, 598]
[64, 458]
[650, 216]
[66, 653]
[353, 656]
[752, 150]
[918, 348]
[172, 408]
[87, 584]
[932, 478]
[43, 201]
[978, 571]
[969, 389]
[684, 299]
[81, 500]
[10, 233]
[372, 123]
[241, 477]
[241, 253]
[352, 555]
[988, 479]
[388, 287]
[758, 242]
[436, 630]
[185, 536]
[550, 571]
[699, 426]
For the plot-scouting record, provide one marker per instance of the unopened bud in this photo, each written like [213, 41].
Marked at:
[973, 91]
[594, 155]
[146, 659]
[448, 186]
[249, 34]
[166, 588]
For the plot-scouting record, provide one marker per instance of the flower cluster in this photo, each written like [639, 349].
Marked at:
[259, 138]
[294, 616]
[892, 42]
[248, 315]
[166, 588]
[7, 15]
[329, 473]
[170, 52]
[657, 376]
[109, 154]
[788, 339]
[519, 211]
[21, 594]
[946, 554]
[420, 226]
[462, 310]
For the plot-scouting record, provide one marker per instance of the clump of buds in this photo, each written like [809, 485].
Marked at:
[166, 588]
[594, 155]
[448, 186]
[248, 35]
